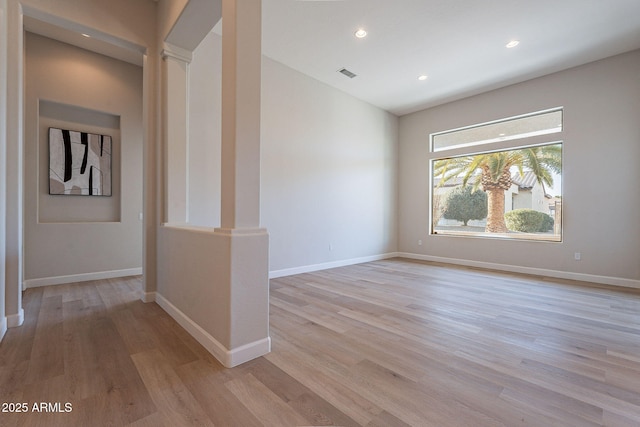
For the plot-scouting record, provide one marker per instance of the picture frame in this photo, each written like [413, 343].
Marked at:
[79, 163]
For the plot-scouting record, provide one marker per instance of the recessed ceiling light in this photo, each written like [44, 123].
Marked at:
[512, 43]
[361, 33]
[423, 77]
[85, 35]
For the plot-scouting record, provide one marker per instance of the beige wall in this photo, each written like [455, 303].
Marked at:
[133, 21]
[3, 148]
[71, 88]
[601, 103]
[132, 24]
[168, 13]
[224, 303]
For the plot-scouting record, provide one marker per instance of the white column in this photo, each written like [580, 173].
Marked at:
[14, 161]
[176, 72]
[248, 268]
[241, 65]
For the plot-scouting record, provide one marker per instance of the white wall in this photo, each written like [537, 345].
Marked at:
[328, 170]
[601, 104]
[71, 88]
[205, 80]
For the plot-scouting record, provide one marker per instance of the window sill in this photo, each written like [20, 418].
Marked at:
[540, 237]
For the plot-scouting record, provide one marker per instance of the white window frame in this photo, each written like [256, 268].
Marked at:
[489, 146]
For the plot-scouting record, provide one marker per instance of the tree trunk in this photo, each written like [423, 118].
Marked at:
[495, 207]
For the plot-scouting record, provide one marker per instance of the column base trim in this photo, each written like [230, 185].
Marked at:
[15, 320]
[229, 358]
[3, 327]
[148, 297]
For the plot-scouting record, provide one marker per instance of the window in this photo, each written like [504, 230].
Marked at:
[512, 190]
[541, 123]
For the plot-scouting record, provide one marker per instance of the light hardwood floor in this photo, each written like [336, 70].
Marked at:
[387, 343]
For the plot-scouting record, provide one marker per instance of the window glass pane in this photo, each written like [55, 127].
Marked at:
[514, 193]
[519, 127]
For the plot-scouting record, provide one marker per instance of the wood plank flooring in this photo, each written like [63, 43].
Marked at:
[386, 343]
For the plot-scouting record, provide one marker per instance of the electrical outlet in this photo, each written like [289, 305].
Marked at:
[577, 256]
[330, 247]
[419, 242]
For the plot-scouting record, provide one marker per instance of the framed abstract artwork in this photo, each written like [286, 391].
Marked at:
[79, 163]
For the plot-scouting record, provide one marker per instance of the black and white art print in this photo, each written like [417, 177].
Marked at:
[79, 163]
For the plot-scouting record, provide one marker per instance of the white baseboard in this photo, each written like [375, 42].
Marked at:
[604, 280]
[148, 297]
[229, 358]
[15, 320]
[73, 278]
[327, 265]
[248, 352]
[3, 327]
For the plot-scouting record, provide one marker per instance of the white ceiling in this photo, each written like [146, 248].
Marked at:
[459, 44]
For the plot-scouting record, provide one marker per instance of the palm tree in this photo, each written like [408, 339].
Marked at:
[492, 172]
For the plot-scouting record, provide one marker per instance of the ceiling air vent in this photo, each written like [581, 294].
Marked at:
[347, 73]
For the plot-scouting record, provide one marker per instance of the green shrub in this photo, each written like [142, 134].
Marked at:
[464, 204]
[547, 223]
[528, 221]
